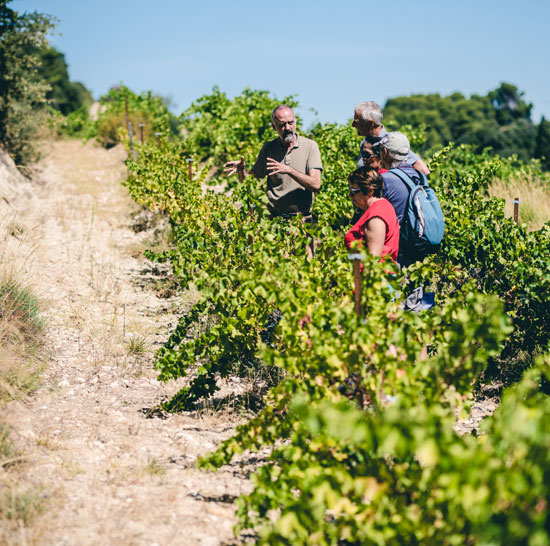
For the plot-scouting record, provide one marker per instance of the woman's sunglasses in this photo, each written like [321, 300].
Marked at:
[365, 154]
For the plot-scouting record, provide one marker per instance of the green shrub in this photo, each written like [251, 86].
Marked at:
[22, 93]
[111, 128]
[223, 129]
[145, 108]
[77, 123]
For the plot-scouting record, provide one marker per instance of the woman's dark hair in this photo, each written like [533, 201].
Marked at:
[367, 180]
[370, 150]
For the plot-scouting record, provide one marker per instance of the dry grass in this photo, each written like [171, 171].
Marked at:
[21, 358]
[21, 324]
[154, 468]
[18, 506]
[534, 196]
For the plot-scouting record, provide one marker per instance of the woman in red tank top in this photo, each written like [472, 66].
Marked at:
[370, 154]
[378, 226]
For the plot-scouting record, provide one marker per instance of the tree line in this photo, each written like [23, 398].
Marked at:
[500, 120]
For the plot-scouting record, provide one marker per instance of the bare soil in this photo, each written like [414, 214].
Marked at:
[105, 473]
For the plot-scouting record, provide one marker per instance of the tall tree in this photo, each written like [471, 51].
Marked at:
[542, 143]
[22, 93]
[509, 105]
[64, 95]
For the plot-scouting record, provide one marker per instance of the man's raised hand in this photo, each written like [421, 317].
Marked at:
[232, 167]
[274, 167]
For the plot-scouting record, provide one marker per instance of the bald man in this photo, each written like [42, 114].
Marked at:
[292, 164]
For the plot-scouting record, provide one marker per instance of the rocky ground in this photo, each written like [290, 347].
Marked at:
[102, 471]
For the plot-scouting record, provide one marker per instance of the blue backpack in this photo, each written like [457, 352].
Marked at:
[423, 225]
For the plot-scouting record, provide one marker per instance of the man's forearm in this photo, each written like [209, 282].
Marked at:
[422, 167]
[311, 182]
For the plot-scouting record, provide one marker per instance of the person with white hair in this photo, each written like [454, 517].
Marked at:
[367, 120]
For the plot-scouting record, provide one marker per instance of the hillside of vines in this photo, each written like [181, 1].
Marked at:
[358, 409]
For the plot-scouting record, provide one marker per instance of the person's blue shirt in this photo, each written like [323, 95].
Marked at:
[395, 190]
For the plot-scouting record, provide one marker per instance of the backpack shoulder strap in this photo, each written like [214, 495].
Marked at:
[407, 180]
[404, 177]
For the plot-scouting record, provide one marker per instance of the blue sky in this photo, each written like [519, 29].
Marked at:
[331, 54]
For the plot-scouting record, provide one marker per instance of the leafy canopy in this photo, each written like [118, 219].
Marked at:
[64, 95]
[500, 120]
[23, 93]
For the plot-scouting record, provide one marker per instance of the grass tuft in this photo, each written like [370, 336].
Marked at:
[154, 468]
[6, 448]
[20, 307]
[137, 345]
[18, 507]
[16, 230]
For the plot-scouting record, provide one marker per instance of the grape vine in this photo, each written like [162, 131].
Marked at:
[360, 417]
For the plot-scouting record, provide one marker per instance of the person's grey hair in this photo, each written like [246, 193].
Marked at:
[369, 111]
[278, 108]
[396, 162]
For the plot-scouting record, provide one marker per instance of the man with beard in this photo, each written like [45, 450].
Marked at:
[292, 164]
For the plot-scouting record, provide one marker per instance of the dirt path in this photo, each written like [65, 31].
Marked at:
[104, 472]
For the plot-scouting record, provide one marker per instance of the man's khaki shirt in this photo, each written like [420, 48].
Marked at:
[285, 195]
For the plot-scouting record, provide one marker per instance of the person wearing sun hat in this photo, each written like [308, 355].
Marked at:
[394, 152]
[394, 155]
